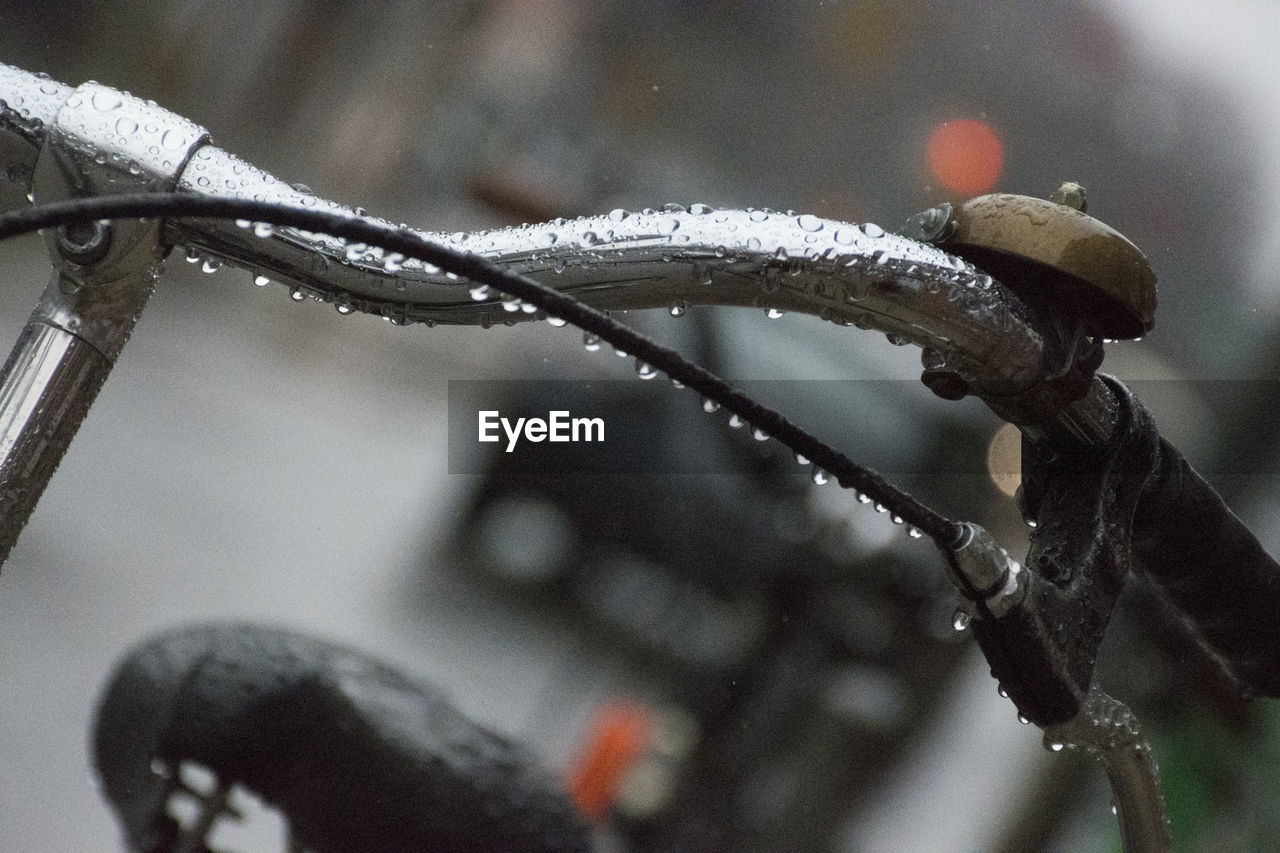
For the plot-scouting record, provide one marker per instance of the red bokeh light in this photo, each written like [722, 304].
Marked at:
[965, 156]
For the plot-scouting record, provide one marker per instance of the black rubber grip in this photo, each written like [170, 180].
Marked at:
[1212, 568]
[357, 756]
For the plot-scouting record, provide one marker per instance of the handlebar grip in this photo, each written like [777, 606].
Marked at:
[1195, 550]
[357, 756]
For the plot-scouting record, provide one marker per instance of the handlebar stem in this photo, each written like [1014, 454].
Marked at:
[98, 141]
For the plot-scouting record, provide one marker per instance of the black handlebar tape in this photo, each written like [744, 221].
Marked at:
[1211, 567]
[357, 756]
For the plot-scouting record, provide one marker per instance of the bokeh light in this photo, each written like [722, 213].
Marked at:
[965, 156]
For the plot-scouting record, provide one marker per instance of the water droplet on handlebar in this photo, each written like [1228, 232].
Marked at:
[528, 308]
[872, 230]
[676, 383]
[819, 477]
[668, 225]
[1023, 719]
[879, 507]
[896, 339]
[915, 533]
[809, 222]
[211, 265]
[479, 293]
[757, 215]
[297, 294]
[759, 434]
[735, 422]
[556, 321]
[960, 619]
[845, 237]
[263, 229]
[590, 342]
[699, 209]
[106, 100]
[1055, 747]
[511, 306]
[800, 460]
[126, 126]
[645, 370]
[343, 308]
[393, 262]
[1004, 694]
[709, 405]
[678, 309]
[897, 519]
[617, 214]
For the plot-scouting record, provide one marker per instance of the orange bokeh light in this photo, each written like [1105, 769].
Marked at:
[965, 156]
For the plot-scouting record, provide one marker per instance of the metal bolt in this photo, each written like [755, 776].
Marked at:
[84, 243]
[1072, 195]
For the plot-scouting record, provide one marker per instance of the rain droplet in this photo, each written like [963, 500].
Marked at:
[211, 265]
[105, 100]
[960, 619]
[757, 215]
[897, 519]
[126, 126]
[479, 293]
[801, 460]
[668, 225]
[511, 306]
[261, 280]
[590, 342]
[393, 262]
[1055, 747]
[709, 405]
[528, 308]
[676, 383]
[759, 434]
[896, 339]
[617, 214]
[589, 238]
[343, 308]
[915, 533]
[879, 507]
[556, 321]
[678, 309]
[263, 229]
[773, 313]
[297, 294]
[645, 370]
[698, 209]
[819, 477]
[1004, 694]
[872, 230]
[1023, 719]
[735, 422]
[809, 222]
[864, 498]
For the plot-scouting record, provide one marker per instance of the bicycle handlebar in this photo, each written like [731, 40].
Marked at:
[1004, 351]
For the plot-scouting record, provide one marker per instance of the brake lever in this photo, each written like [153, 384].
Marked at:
[1043, 646]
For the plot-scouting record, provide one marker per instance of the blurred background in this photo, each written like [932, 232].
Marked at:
[782, 659]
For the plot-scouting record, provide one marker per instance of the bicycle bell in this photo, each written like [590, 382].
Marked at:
[1052, 254]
